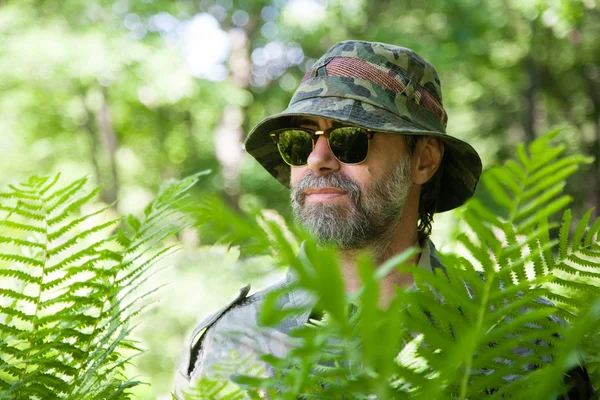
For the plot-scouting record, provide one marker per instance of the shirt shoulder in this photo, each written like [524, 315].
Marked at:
[190, 354]
[232, 329]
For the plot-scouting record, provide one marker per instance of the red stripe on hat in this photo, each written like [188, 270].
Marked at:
[360, 69]
[432, 104]
[354, 68]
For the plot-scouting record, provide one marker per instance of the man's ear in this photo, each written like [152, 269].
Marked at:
[426, 159]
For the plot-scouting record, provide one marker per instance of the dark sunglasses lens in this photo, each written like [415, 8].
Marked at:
[295, 146]
[349, 144]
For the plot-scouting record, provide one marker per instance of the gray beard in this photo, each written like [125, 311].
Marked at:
[368, 218]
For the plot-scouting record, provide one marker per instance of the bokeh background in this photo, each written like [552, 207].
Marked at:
[135, 92]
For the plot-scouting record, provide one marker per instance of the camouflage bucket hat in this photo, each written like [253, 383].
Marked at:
[380, 87]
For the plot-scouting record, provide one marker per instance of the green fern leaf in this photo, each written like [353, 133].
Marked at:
[21, 242]
[74, 207]
[527, 208]
[52, 235]
[22, 227]
[20, 275]
[550, 209]
[16, 313]
[67, 323]
[553, 168]
[13, 294]
[44, 189]
[550, 183]
[20, 195]
[501, 197]
[522, 156]
[591, 234]
[21, 260]
[576, 240]
[62, 196]
[21, 212]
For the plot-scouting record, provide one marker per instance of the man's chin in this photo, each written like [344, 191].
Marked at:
[333, 211]
[331, 224]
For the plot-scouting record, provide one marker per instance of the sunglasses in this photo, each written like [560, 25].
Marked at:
[349, 144]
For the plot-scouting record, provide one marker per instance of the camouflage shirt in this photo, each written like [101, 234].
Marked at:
[233, 332]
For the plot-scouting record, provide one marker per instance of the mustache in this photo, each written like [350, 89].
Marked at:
[334, 179]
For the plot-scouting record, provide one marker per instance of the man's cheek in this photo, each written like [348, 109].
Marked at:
[296, 175]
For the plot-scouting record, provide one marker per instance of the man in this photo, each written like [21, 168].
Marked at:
[363, 148]
[362, 145]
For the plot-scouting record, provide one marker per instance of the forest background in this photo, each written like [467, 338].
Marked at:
[134, 92]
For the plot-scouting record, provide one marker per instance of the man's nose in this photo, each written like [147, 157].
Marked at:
[322, 161]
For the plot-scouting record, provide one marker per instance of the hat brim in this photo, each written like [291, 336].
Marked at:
[461, 163]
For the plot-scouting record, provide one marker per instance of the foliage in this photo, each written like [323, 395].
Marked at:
[69, 288]
[105, 88]
[482, 328]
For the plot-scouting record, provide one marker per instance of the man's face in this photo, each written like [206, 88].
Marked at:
[351, 206]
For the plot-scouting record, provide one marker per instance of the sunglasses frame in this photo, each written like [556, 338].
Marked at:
[313, 136]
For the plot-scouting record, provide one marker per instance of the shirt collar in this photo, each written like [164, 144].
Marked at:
[427, 252]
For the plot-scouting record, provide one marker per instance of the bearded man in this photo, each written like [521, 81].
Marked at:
[362, 145]
[364, 149]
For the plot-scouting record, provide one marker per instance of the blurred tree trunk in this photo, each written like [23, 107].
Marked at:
[592, 80]
[93, 140]
[103, 146]
[108, 139]
[530, 99]
[597, 160]
[189, 135]
[229, 133]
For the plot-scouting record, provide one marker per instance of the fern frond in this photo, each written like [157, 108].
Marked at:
[532, 206]
[550, 184]
[546, 211]
[494, 185]
[74, 207]
[22, 227]
[81, 236]
[551, 169]
[20, 275]
[480, 253]
[52, 235]
[580, 261]
[85, 301]
[21, 242]
[13, 294]
[16, 313]
[549, 380]
[44, 189]
[62, 196]
[140, 270]
[579, 287]
[16, 258]
[592, 233]
[577, 238]
[90, 251]
[96, 360]
[19, 195]
[152, 237]
[21, 212]
[543, 261]
[68, 343]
